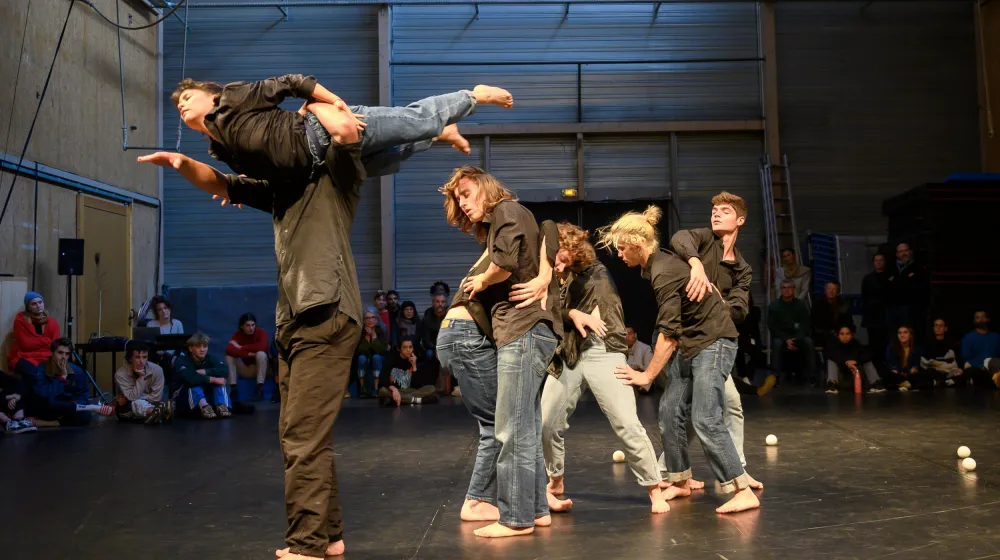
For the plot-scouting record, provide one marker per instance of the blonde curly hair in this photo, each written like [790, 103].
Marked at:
[633, 228]
[491, 189]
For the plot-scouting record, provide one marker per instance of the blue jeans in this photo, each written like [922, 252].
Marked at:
[521, 477]
[471, 357]
[368, 369]
[217, 395]
[696, 391]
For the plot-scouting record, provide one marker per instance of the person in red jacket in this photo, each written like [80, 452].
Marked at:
[246, 354]
[34, 332]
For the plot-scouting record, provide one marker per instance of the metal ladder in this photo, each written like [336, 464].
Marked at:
[779, 223]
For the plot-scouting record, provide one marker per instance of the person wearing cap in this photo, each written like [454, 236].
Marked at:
[32, 336]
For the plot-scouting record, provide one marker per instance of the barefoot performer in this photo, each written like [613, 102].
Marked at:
[588, 359]
[526, 339]
[256, 138]
[467, 350]
[706, 337]
[311, 195]
[715, 261]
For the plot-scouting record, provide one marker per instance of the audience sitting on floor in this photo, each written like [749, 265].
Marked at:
[163, 319]
[788, 320]
[429, 327]
[829, 314]
[399, 382]
[247, 355]
[59, 392]
[204, 381]
[12, 418]
[846, 358]
[902, 362]
[800, 276]
[978, 346]
[370, 354]
[140, 388]
[638, 355]
[941, 359]
[32, 336]
[874, 298]
[407, 325]
[393, 309]
[381, 301]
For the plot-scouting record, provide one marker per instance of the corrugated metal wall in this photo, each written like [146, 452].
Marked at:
[208, 246]
[616, 167]
[873, 101]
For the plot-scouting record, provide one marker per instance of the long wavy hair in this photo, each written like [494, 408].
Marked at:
[576, 240]
[491, 190]
[633, 228]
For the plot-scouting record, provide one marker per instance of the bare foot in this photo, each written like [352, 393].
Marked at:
[335, 549]
[544, 521]
[475, 510]
[285, 554]
[660, 505]
[555, 504]
[451, 135]
[754, 483]
[498, 531]
[677, 490]
[695, 484]
[555, 486]
[743, 500]
[493, 96]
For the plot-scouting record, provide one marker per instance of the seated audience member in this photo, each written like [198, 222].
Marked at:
[829, 314]
[370, 353]
[381, 302]
[204, 380]
[12, 418]
[163, 317]
[902, 362]
[800, 276]
[941, 359]
[638, 355]
[874, 299]
[845, 358]
[140, 388]
[247, 355]
[398, 374]
[32, 337]
[788, 319]
[406, 324]
[429, 327]
[750, 356]
[978, 347]
[392, 306]
[59, 390]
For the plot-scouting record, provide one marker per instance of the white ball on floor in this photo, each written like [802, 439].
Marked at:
[618, 456]
[964, 452]
[771, 439]
[969, 464]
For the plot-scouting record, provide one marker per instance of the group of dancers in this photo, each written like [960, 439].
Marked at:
[536, 309]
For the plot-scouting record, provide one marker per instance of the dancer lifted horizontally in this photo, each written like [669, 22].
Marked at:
[526, 339]
[715, 261]
[593, 346]
[312, 195]
[256, 138]
[706, 338]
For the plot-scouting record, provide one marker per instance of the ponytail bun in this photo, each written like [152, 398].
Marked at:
[652, 215]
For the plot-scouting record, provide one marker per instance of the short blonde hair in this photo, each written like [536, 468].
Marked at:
[493, 192]
[576, 240]
[633, 228]
[198, 339]
[733, 200]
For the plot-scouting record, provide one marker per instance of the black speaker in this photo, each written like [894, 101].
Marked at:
[70, 257]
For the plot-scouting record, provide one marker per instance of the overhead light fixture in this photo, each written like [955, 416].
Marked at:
[569, 193]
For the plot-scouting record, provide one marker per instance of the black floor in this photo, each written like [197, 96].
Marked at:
[870, 478]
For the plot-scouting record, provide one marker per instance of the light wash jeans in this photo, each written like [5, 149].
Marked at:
[466, 353]
[696, 392]
[369, 368]
[596, 369]
[521, 478]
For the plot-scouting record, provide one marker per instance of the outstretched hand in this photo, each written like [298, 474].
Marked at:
[164, 159]
[225, 201]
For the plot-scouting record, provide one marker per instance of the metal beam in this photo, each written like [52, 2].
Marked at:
[74, 182]
[769, 79]
[542, 129]
[387, 185]
[675, 179]
[322, 3]
[579, 166]
[577, 62]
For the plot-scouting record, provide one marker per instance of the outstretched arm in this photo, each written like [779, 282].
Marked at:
[201, 175]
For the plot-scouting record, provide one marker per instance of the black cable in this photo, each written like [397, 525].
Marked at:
[17, 78]
[147, 26]
[41, 98]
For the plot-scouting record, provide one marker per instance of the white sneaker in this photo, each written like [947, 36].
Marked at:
[12, 426]
[457, 392]
[27, 426]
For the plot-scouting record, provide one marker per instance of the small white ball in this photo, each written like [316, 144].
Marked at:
[771, 439]
[618, 456]
[969, 464]
[964, 452]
